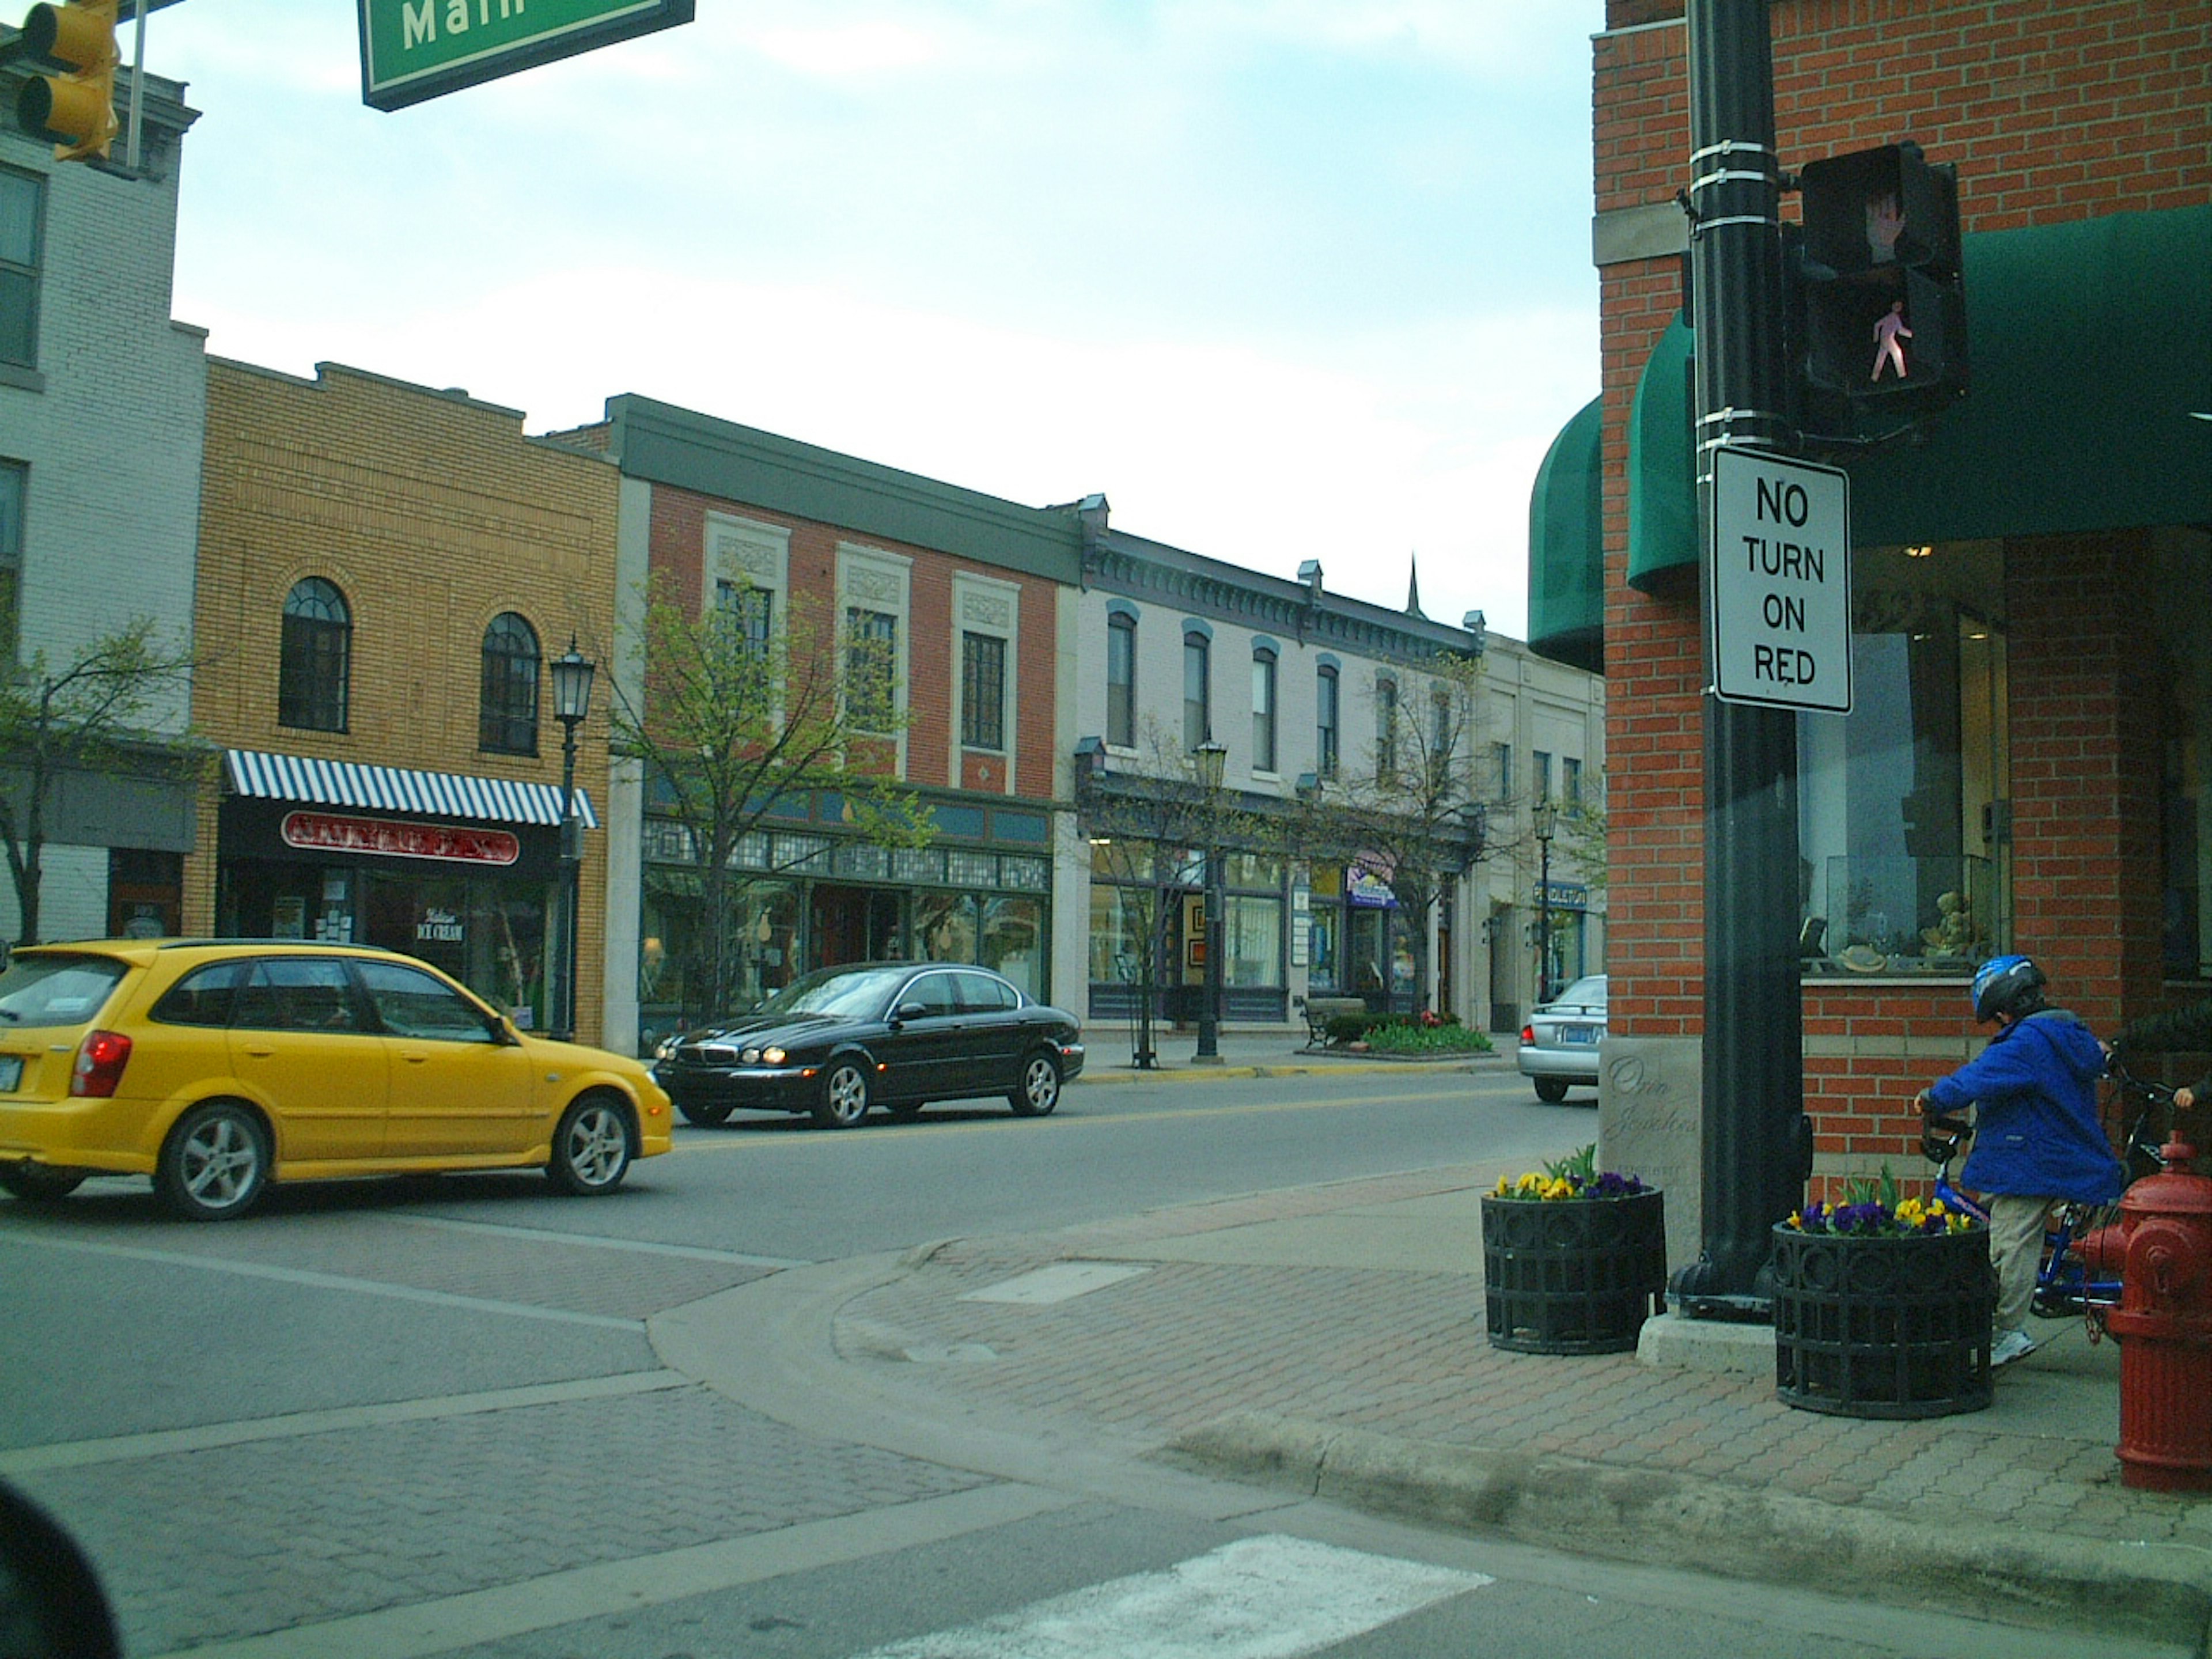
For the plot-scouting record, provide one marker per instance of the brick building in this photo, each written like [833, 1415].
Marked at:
[384, 573]
[2025, 767]
[969, 595]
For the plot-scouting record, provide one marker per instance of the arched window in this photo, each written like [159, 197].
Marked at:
[1197, 690]
[315, 662]
[1263, 710]
[1121, 679]
[1326, 729]
[1386, 731]
[507, 719]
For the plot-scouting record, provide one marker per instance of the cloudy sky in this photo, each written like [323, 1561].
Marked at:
[1285, 279]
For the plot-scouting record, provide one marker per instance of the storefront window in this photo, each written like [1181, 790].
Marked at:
[945, 926]
[1119, 934]
[1013, 935]
[1903, 802]
[1253, 941]
[674, 970]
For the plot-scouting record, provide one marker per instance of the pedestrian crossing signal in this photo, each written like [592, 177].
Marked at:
[1879, 279]
[75, 111]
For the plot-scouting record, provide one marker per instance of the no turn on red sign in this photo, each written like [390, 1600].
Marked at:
[1778, 568]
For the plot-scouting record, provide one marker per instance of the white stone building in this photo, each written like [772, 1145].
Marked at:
[102, 411]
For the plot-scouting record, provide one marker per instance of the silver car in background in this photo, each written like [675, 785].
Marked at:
[1559, 1045]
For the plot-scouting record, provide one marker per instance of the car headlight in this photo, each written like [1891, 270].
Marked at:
[666, 1050]
[773, 1056]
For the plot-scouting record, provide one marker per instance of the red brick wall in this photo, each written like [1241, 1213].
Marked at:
[2053, 111]
[678, 548]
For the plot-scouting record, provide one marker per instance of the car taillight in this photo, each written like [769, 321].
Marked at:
[1528, 1034]
[100, 1059]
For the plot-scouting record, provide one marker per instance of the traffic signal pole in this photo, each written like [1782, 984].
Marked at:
[1755, 1148]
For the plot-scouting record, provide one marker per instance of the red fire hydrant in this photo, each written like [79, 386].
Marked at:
[2164, 1324]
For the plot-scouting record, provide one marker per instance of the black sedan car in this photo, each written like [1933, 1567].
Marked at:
[897, 1034]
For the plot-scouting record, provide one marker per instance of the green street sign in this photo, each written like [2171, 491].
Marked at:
[411, 50]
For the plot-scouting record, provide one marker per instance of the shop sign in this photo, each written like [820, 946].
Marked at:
[1368, 882]
[329, 832]
[438, 926]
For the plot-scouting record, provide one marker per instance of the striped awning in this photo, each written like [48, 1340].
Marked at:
[397, 789]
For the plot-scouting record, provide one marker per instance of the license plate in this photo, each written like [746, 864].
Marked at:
[1578, 1033]
[11, 1073]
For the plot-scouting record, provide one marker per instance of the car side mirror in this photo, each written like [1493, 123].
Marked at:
[49, 1596]
[911, 1011]
[502, 1033]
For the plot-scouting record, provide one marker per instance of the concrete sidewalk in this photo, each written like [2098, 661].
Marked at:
[1328, 1342]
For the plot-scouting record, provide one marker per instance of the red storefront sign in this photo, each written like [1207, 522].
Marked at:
[327, 832]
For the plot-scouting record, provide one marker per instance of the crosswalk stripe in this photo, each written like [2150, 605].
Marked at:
[1270, 1597]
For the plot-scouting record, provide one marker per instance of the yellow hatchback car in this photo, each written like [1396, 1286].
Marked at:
[216, 1068]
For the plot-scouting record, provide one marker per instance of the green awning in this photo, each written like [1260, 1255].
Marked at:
[1662, 495]
[1566, 545]
[2092, 346]
[2092, 350]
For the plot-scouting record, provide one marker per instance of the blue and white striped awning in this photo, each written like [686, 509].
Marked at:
[397, 789]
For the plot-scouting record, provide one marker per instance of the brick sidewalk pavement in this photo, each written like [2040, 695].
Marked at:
[1261, 1333]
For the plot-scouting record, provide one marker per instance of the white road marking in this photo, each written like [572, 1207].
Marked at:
[621, 1587]
[590, 1241]
[324, 1281]
[161, 1443]
[1270, 1597]
[1058, 1283]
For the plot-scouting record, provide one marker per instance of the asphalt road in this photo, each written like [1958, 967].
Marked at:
[424, 1417]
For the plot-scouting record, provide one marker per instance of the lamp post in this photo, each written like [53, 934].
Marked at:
[1544, 820]
[572, 701]
[1212, 757]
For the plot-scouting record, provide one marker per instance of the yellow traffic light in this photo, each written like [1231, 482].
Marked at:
[76, 109]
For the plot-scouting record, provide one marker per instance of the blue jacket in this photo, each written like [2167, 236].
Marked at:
[2037, 1133]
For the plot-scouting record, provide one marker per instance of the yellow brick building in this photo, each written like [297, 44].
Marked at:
[387, 573]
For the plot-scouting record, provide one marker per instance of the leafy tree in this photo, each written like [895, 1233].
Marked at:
[745, 715]
[1406, 809]
[83, 714]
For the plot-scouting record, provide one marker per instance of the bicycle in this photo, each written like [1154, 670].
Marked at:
[2080, 1272]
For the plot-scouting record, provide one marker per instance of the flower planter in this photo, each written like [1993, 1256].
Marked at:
[1575, 1275]
[1883, 1326]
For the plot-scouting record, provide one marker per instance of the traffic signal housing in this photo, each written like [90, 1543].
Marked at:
[73, 110]
[1883, 322]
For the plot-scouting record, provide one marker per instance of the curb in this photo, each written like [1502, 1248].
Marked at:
[2157, 1591]
[1350, 1067]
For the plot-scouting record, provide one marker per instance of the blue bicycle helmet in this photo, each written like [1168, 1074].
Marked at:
[2008, 985]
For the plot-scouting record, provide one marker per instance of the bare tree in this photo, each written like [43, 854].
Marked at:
[744, 714]
[83, 714]
[1150, 840]
[1406, 809]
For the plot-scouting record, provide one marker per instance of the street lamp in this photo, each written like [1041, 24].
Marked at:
[1544, 821]
[1212, 757]
[572, 701]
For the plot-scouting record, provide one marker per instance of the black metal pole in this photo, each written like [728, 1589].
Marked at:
[572, 886]
[1544, 919]
[1753, 1048]
[1209, 1006]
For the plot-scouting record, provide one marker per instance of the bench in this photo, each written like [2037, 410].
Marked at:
[1319, 1010]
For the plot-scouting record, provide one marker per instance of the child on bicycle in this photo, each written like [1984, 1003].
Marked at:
[2038, 1138]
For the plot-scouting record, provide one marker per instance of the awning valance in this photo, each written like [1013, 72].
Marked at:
[397, 789]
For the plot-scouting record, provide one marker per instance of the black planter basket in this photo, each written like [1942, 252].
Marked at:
[1573, 1275]
[1889, 1328]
